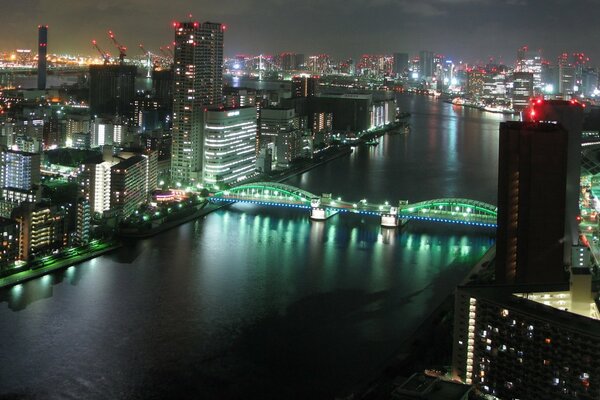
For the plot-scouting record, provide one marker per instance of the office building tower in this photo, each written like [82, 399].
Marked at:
[198, 83]
[522, 90]
[568, 114]
[305, 86]
[229, 145]
[400, 63]
[42, 56]
[112, 91]
[538, 193]
[475, 83]
[531, 203]
[426, 68]
[531, 61]
[528, 341]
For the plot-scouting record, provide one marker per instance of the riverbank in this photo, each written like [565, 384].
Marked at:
[57, 265]
[314, 163]
[428, 347]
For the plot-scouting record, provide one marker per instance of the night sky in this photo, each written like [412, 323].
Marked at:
[470, 30]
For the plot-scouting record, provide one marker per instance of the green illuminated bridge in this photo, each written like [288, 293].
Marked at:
[451, 210]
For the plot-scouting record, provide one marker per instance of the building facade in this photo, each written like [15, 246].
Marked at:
[198, 83]
[229, 145]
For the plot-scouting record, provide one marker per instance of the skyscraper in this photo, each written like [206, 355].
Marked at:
[198, 83]
[400, 63]
[531, 61]
[538, 193]
[112, 91]
[42, 52]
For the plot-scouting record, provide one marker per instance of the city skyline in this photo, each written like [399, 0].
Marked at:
[342, 29]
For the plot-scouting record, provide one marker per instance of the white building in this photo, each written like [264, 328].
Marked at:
[229, 145]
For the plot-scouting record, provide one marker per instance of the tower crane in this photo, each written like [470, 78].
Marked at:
[122, 49]
[105, 56]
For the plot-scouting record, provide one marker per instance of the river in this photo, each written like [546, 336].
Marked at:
[255, 302]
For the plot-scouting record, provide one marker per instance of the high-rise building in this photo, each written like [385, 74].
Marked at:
[229, 145]
[112, 91]
[531, 203]
[531, 61]
[198, 83]
[426, 68]
[538, 193]
[522, 90]
[400, 63]
[305, 86]
[42, 56]
[94, 179]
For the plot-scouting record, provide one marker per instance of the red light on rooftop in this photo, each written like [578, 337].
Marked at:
[224, 27]
[532, 113]
[539, 101]
[196, 24]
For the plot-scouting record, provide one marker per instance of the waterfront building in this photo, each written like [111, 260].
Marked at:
[130, 184]
[522, 91]
[42, 56]
[198, 83]
[538, 193]
[321, 128]
[82, 223]
[274, 121]
[532, 173]
[94, 179]
[351, 112]
[9, 245]
[43, 229]
[230, 145]
[529, 341]
[112, 91]
[475, 83]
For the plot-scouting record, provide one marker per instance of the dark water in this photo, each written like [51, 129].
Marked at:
[261, 303]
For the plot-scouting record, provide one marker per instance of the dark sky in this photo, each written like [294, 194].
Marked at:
[471, 30]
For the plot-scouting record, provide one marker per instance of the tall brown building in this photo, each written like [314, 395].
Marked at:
[538, 193]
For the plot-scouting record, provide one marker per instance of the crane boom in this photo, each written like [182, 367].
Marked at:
[105, 56]
[122, 49]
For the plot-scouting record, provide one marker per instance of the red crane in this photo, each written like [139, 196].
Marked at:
[122, 49]
[105, 56]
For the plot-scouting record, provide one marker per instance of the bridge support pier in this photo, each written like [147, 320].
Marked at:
[322, 213]
[390, 219]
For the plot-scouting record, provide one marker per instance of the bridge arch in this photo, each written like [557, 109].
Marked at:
[465, 211]
[270, 191]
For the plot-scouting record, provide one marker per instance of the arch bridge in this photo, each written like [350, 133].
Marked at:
[448, 210]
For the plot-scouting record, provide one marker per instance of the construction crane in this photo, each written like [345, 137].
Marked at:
[105, 56]
[151, 59]
[122, 49]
